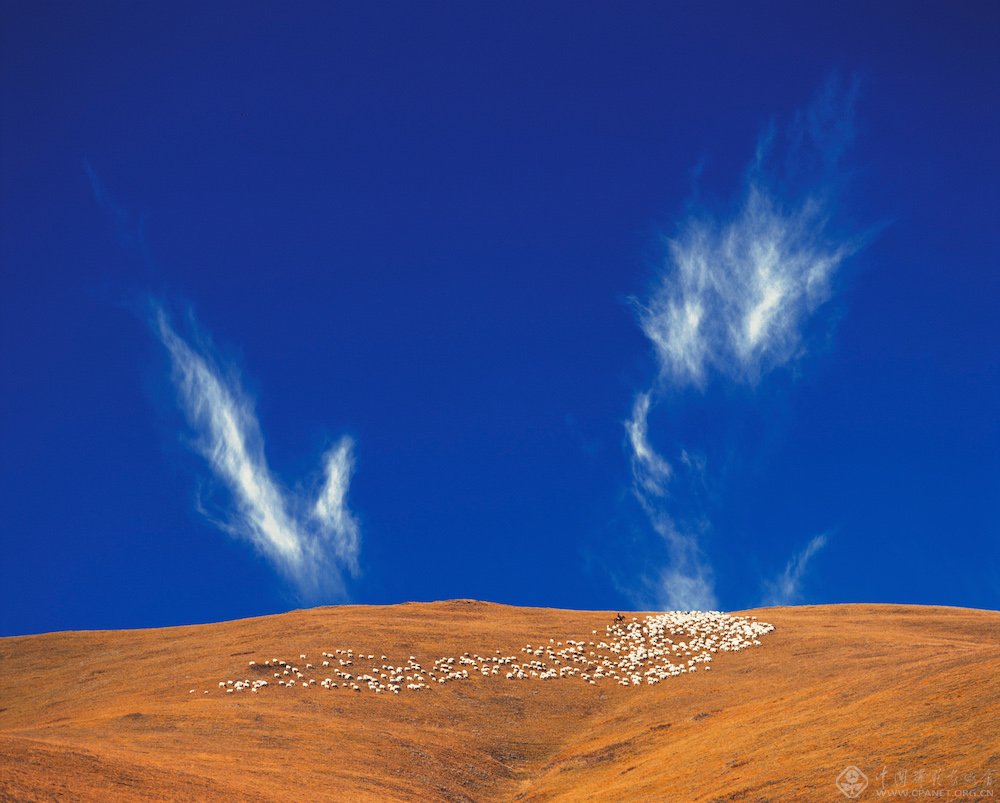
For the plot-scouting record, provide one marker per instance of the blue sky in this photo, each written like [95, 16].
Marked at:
[654, 305]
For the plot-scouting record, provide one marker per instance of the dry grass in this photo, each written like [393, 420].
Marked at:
[108, 714]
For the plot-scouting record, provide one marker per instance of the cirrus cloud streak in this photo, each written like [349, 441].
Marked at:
[731, 304]
[312, 543]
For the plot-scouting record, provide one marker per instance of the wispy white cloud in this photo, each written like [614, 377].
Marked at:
[787, 587]
[733, 298]
[331, 509]
[649, 470]
[736, 289]
[686, 587]
[735, 293]
[312, 544]
[686, 583]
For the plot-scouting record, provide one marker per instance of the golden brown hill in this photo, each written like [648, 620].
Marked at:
[889, 689]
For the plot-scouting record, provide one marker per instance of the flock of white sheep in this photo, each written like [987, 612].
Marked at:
[629, 653]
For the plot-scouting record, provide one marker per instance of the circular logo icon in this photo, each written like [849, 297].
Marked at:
[852, 782]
